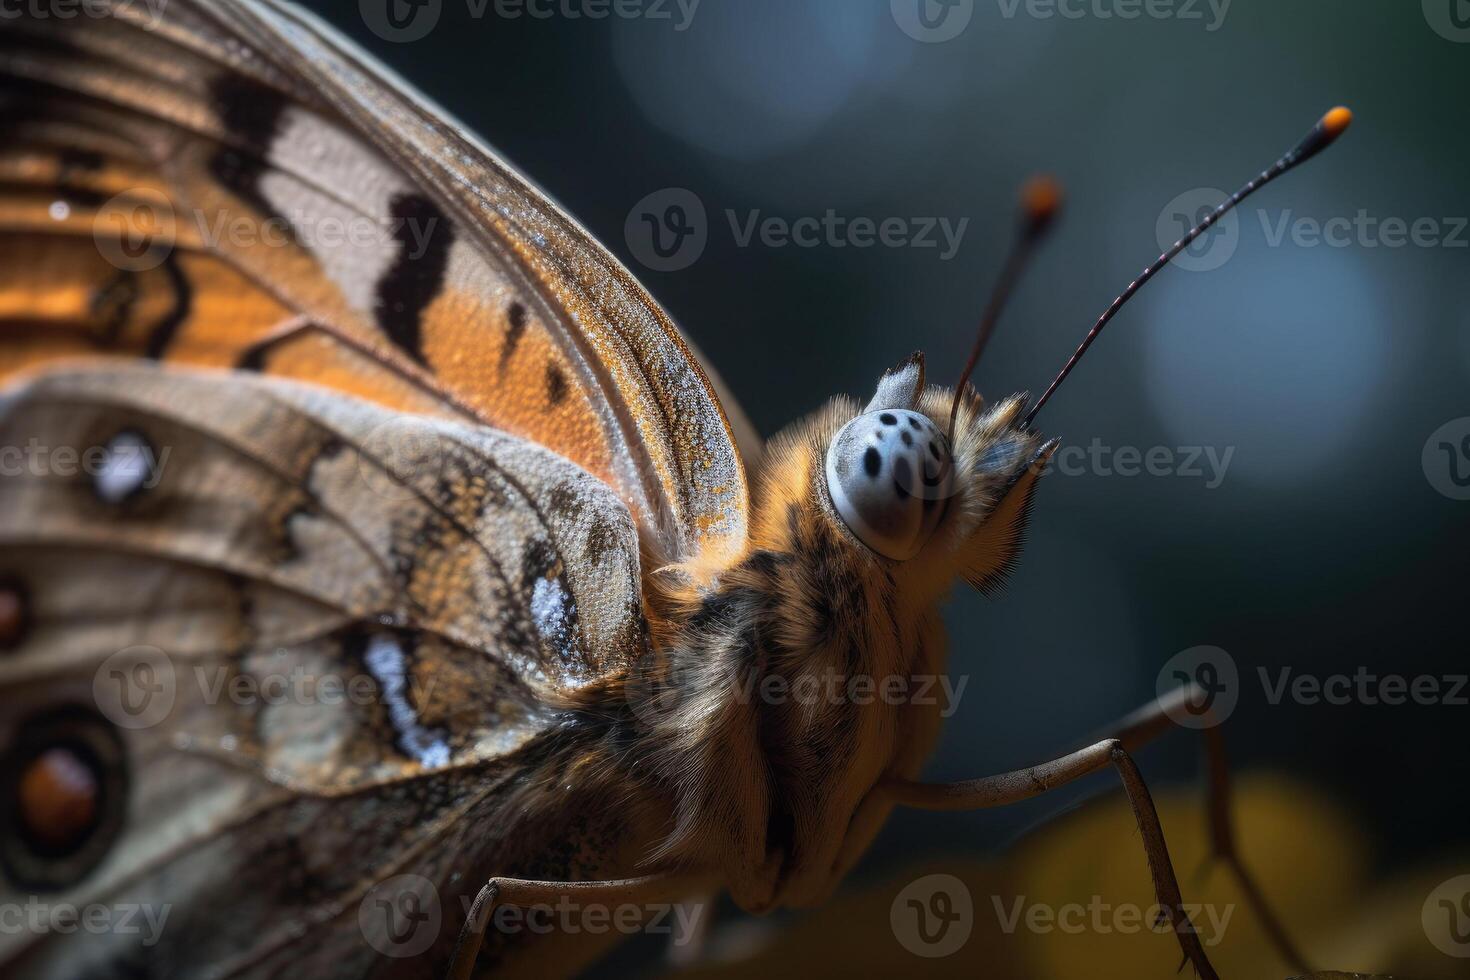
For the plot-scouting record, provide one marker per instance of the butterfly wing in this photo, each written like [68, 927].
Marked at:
[180, 188]
[308, 645]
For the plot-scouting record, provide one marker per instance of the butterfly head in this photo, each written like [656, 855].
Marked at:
[890, 474]
[907, 492]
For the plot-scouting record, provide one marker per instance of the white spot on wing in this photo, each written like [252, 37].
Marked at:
[551, 612]
[384, 658]
[124, 469]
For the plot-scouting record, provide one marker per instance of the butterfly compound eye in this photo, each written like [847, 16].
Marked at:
[890, 476]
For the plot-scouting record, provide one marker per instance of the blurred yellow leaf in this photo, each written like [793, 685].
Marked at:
[1074, 900]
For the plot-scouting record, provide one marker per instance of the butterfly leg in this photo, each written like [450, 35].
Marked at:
[1153, 720]
[666, 887]
[1023, 784]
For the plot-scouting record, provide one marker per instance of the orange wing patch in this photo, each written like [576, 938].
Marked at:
[287, 180]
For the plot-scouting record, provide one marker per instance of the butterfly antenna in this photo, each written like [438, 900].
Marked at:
[1041, 196]
[1321, 136]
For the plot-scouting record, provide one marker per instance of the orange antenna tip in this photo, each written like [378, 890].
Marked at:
[1337, 120]
[1041, 198]
[1321, 136]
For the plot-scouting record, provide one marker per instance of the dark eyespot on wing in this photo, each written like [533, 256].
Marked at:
[64, 781]
[423, 234]
[888, 418]
[907, 437]
[872, 462]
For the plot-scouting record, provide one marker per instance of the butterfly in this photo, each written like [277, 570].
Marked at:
[379, 560]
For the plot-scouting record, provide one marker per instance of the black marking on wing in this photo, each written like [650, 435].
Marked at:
[541, 561]
[424, 235]
[111, 306]
[513, 334]
[571, 507]
[565, 503]
[76, 160]
[164, 331]
[556, 385]
[253, 111]
[72, 163]
[253, 359]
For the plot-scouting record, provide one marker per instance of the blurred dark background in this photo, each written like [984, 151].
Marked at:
[1323, 367]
